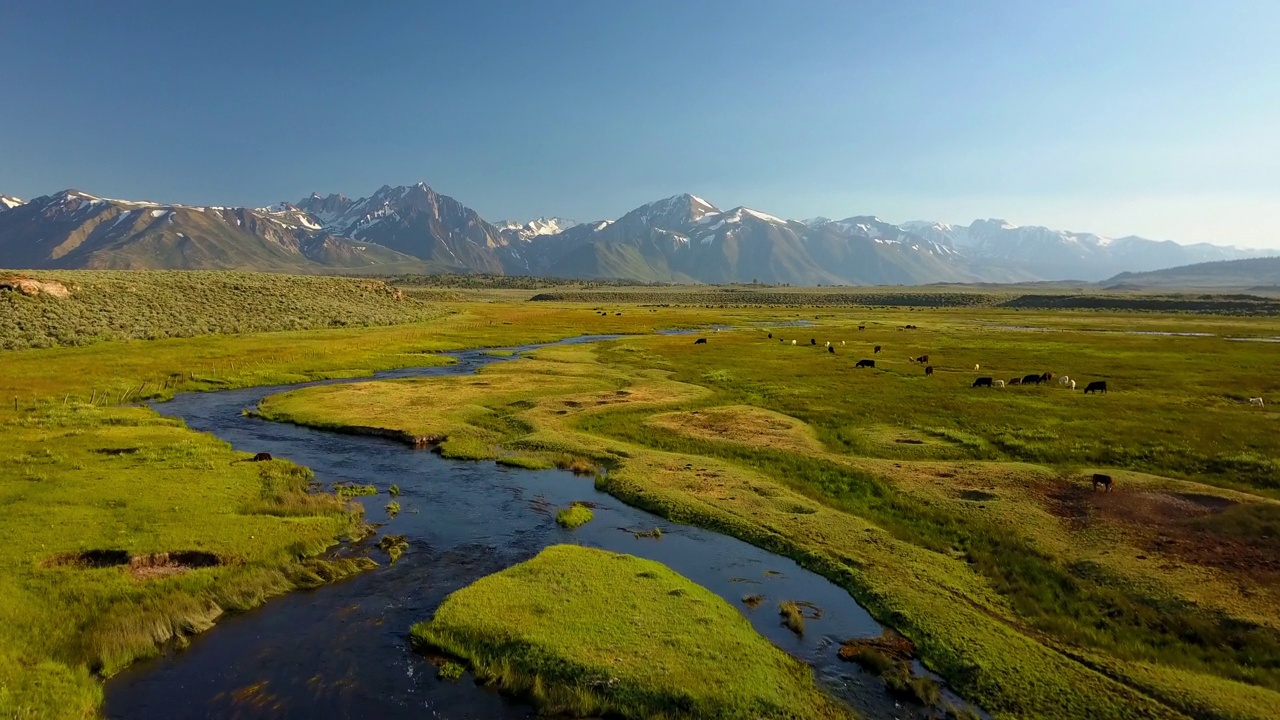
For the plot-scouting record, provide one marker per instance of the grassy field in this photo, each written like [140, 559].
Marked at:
[961, 516]
[150, 305]
[587, 632]
[187, 531]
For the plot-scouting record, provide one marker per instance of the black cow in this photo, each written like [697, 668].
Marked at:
[982, 382]
[831, 349]
[262, 457]
[1046, 377]
[862, 327]
[1096, 386]
[1104, 480]
[813, 341]
[928, 370]
[909, 327]
[923, 359]
[877, 348]
[770, 336]
[700, 341]
[865, 363]
[1030, 379]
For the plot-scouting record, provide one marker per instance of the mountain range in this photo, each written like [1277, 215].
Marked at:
[683, 238]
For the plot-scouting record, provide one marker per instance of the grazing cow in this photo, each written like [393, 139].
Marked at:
[841, 342]
[1256, 402]
[831, 350]
[999, 383]
[983, 382]
[928, 370]
[877, 349]
[1015, 381]
[828, 343]
[976, 366]
[700, 341]
[1030, 379]
[813, 341]
[770, 336]
[793, 342]
[865, 363]
[1104, 480]
[1073, 384]
[262, 457]
[862, 327]
[1096, 386]
[908, 327]
[618, 314]
[1046, 377]
[1064, 380]
[923, 359]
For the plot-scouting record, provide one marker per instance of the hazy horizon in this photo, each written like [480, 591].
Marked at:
[1131, 118]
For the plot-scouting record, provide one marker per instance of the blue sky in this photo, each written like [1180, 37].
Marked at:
[1154, 118]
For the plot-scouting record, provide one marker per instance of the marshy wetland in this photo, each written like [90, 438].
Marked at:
[961, 519]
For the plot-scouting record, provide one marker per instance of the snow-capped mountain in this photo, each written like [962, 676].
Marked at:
[1050, 254]
[682, 238]
[539, 226]
[685, 238]
[73, 229]
[417, 221]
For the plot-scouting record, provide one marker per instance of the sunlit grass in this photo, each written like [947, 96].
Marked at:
[586, 632]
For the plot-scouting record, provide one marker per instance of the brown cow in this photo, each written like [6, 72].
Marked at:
[261, 457]
[1015, 381]
[1104, 480]
[928, 370]
[877, 348]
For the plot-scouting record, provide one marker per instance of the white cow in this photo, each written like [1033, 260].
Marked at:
[841, 342]
[1064, 380]
[998, 383]
[976, 366]
[1073, 384]
[828, 343]
[793, 342]
[1256, 402]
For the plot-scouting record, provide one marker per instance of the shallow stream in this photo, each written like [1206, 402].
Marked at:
[342, 650]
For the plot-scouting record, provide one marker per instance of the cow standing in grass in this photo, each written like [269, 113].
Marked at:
[1099, 386]
[1104, 480]
[983, 382]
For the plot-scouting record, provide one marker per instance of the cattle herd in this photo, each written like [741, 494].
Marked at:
[1095, 386]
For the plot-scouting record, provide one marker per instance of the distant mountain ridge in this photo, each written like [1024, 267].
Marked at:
[683, 238]
[1061, 255]
[73, 229]
[1248, 273]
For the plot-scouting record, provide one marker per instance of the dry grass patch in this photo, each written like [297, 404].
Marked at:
[742, 424]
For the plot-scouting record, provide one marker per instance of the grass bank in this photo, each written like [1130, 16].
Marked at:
[586, 632]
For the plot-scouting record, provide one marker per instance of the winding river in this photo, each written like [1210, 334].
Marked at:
[342, 650]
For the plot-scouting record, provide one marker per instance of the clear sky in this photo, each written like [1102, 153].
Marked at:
[1154, 118]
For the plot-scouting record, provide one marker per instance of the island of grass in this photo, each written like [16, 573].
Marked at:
[587, 632]
[574, 516]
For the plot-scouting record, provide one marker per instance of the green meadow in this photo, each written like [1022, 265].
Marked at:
[961, 517]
